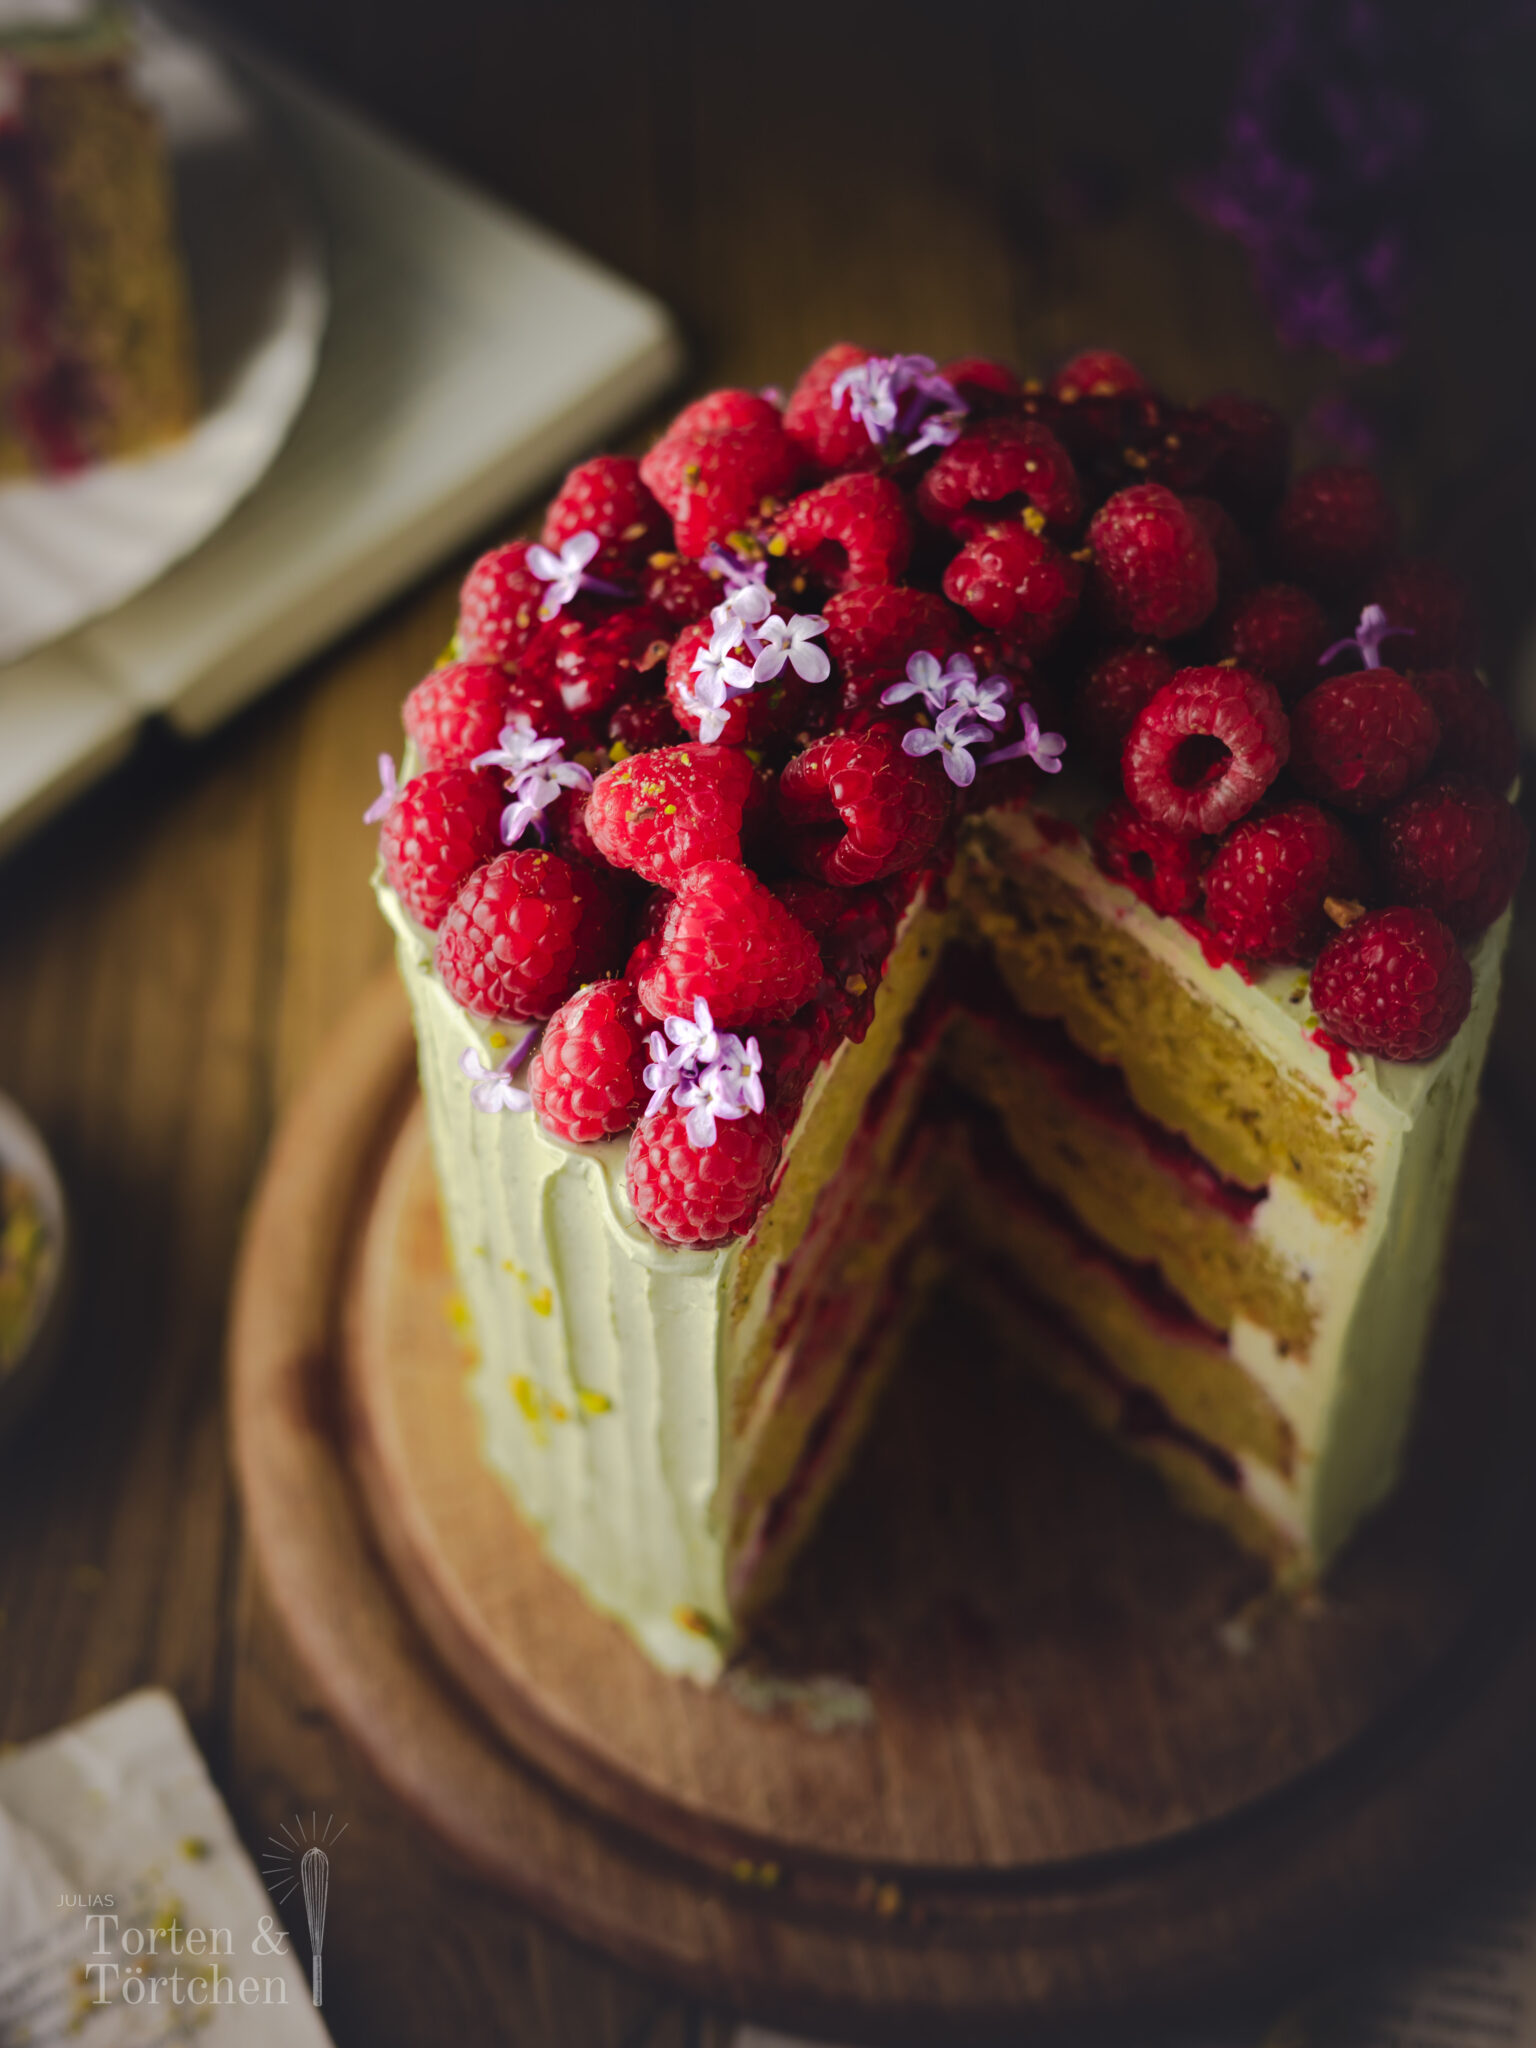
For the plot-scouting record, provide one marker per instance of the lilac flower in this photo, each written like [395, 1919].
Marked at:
[939, 430]
[494, 1088]
[953, 685]
[1367, 637]
[1045, 749]
[737, 617]
[893, 396]
[384, 802]
[693, 1045]
[954, 734]
[729, 1087]
[535, 775]
[735, 570]
[716, 680]
[1322, 169]
[709, 1073]
[789, 640]
[565, 573]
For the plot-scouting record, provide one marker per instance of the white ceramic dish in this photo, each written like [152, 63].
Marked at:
[74, 547]
[23, 1152]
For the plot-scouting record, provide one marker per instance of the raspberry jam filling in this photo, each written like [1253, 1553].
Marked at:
[47, 407]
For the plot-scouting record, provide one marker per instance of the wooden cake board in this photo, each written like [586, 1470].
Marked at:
[1021, 1744]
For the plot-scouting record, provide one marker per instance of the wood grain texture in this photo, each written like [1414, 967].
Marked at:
[174, 951]
[1072, 1795]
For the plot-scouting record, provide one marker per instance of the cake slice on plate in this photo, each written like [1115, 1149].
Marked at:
[768, 971]
[96, 355]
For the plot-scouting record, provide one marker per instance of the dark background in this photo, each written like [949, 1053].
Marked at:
[972, 178]
[783, 175]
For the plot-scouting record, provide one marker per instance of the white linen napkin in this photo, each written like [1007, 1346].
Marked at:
[129, 1912]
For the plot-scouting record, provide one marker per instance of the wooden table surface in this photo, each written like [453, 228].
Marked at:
[172, 952]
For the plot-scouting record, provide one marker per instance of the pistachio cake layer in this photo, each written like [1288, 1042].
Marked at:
[1321, 1293]
[96, 350]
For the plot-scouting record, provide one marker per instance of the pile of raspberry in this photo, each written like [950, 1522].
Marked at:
[698, 748]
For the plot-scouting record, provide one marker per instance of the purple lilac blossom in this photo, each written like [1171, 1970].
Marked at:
[389, 790]
[892, 397]
[1045, 749]
[535, 775]
[1320, 174]
[565, 573]
[494, 1089]
[1366, 638]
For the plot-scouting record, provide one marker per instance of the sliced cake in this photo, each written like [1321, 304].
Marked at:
[96, 357]
[769, 972]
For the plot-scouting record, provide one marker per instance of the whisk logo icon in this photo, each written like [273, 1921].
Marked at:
[301, 1862]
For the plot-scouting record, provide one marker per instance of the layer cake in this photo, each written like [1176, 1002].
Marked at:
[1196, 1152]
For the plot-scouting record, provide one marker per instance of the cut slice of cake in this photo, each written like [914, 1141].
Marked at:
[769, 975]
[96, 356]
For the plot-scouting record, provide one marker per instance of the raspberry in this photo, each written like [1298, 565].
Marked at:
[711, 477]
[605, 496]
[1253, 455]
[728, 939]
[1393, 984]
[647, 952]
[1476, 736]
[707, 1197]
[768, 708]
[1117, 689]
[1162, 868]
[1096, 373]
[1437, 605]
[791, 1054]
[643, 725]
[1361, 740]
[586, 1080]
[440, 828]
[456, 712]
[1335, 525]
[1205, 749]
[499, 605]
[679, 589]
[1153, 562]
[591, 665]
[723, 412]
[1017, 582]
[1456, 849]
[525, 931]
[661, 813]
[857, 808]
[986, 387]
[853, 530]
[824, 433]
[854, 930]
[997, 469]
[1236, 568]
[1278, 631]
[873, 630]
[1265, 889]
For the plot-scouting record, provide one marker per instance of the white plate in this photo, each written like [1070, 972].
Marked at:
[74, 547]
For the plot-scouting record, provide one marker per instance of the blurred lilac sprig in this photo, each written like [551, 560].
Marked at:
[1323, 161]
